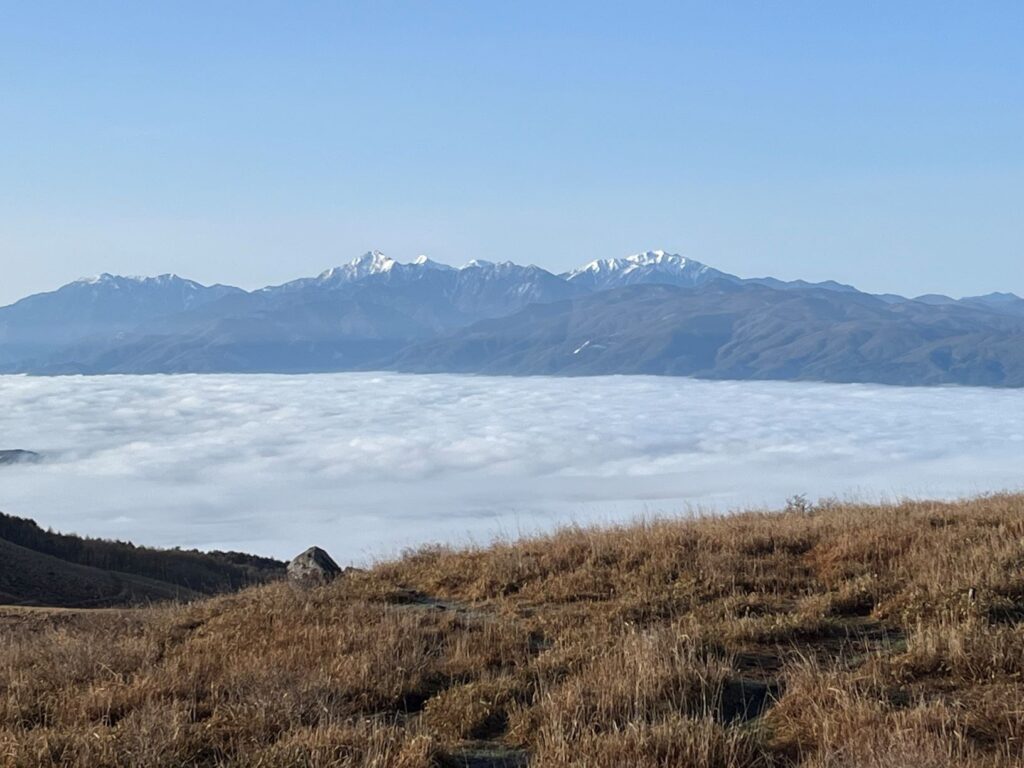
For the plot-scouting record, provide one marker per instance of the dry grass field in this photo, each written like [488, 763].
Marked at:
[827, 636]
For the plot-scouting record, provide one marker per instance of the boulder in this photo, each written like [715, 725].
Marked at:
[312, 568]
[18, 457]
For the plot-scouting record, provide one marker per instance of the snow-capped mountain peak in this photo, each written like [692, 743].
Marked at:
[374, 263]
[498, 266]
[660, 259]
[104, 277]
[647, 267]
[108, 280]
[656, 256]
[370, 263]
[426, 262]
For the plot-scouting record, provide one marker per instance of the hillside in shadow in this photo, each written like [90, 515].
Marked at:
[40, 567]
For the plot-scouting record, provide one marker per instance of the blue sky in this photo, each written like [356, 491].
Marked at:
[880, 144]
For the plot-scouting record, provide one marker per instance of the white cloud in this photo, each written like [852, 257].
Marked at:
[364, 464]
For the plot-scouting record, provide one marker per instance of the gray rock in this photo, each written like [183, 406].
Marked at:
[312, 568]
[19, 457]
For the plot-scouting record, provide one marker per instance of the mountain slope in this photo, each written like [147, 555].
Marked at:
[609, 316]
[663, 268]
[829, 635]
[728, 330]
[40, 567]
[103, 306]
[648, 267]
[347, 318]
[33, 578]
[1005, 303]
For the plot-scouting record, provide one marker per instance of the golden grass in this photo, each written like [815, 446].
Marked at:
[831, 636]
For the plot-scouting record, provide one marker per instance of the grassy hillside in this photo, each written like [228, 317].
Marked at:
[836, 636]
[31, 578]
[39, 567]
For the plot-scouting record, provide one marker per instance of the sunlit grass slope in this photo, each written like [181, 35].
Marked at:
[833, 635]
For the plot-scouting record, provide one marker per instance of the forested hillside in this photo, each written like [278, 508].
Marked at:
[47, 568]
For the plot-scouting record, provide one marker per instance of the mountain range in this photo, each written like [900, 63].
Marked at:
[651, 313]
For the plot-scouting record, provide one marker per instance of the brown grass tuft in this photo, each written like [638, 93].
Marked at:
[828, 636]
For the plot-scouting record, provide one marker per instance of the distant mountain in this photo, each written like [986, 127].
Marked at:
[487, 289]
[651, 312]
[346, 318]
[370, 264]
[648, 267]
[479, 289]
[800, 285]
[737, 331]
[102, 306]
[663, 268]
[1006, 303]
[935, 300]
[1001, 303]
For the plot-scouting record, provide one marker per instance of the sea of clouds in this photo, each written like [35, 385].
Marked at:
[366, 464]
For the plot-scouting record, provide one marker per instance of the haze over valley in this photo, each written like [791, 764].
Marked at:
[365, 464]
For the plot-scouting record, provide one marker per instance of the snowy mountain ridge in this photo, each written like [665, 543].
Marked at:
[652, 312]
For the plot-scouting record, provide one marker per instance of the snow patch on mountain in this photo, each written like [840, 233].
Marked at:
[370, 263]
[116, 281]
[427, 263]
[656, 266]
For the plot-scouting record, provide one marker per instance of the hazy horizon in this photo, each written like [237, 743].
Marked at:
[250, 143]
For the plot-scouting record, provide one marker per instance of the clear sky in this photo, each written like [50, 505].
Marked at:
[880, 144]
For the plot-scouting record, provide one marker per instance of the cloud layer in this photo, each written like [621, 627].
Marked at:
[364, 464]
